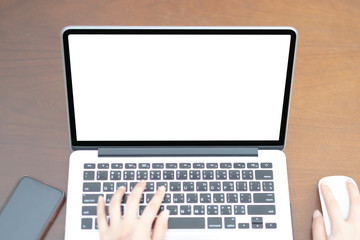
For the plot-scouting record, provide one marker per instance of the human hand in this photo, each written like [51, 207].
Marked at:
[130, 226]
[341, 229]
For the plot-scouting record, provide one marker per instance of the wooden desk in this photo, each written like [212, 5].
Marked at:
[324, 128]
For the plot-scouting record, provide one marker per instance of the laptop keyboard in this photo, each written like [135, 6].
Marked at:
[198, 195]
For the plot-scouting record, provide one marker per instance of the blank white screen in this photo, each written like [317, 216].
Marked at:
[178, 87]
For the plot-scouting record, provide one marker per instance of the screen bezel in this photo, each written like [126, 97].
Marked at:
[261, 144]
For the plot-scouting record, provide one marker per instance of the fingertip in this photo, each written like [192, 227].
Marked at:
[316, 214]
[351, 183]
[318, 226]
[161, 225]
[166, 214]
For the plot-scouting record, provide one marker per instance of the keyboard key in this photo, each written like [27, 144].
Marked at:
[102, 175]
[89, 175]
[108, 198]
[199, 209]
[86, 223]
[205, 198]
[116, 165]
[239, 165]
[158, 165]
[108, 187]
[91, 187]
[253, 165]
[215, 186]
[198, 165]
[191, 198]
[89, 165]
[226, 209]
[119, 184]
[268, 186]
[155, 175]
[241, 186]
[214, 222]
[129, 175]
[254, 186]
[103, 165]
[144, 165]
[148, 197]
[194, 174]
[232, 197]
[243, 225]
[218, 198]
[171, 165]
[173, 210]
[239, 209]
[247, 174]
[185, 210]
[181, 174]
[149, 187]
[263, 174]
[208, 174]
[132, 185]
[188, 186]
[88, 210]
[141, 175]
[261, 209]
[185, 165]
[91, 210]
[90, 198]
[264, 198]
[221, 174]
[266, 165]
[228, 186]
[245, 197]
[130, 165]
[257, 222]
[96, 225]
[212, 210]
[201, 186]
[178, 198]
[271, 225]
[212, 165]
[186, 223]
[229, 222]
[175, 186]
[257, 225]
[225, 165]
[167, 198]
[234, 174]
[115, 175]
[159, 184]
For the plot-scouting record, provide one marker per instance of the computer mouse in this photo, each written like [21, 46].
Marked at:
[337, 184]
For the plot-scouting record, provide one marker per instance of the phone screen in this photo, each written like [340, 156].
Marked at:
[29, 209]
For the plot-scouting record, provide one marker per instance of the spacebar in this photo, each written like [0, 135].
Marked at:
[186, 223]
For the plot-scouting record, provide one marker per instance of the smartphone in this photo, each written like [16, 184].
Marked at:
[30, 209]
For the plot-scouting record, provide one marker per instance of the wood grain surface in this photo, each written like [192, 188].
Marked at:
[324, 127]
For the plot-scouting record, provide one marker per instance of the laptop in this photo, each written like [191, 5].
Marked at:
[200, 110]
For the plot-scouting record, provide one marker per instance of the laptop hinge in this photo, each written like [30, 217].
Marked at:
[177, 151]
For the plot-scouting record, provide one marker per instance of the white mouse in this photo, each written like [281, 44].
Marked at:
[337, 184]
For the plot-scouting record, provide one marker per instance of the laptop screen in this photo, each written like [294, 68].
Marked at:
[178, 87]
